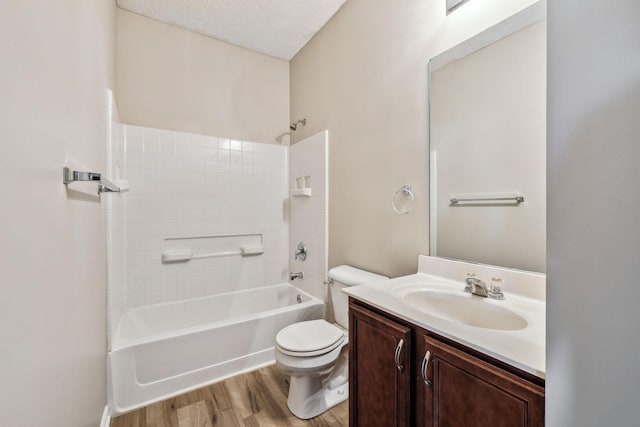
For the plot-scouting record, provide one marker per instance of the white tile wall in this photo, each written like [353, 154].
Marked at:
[309, 215]
[185, 185]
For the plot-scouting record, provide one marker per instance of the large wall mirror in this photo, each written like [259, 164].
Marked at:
[487, 121]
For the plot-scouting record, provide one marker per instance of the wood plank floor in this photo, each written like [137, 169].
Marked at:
[258, 398]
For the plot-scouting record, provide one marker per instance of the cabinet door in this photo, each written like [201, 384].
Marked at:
[455, 389]
[379, 370]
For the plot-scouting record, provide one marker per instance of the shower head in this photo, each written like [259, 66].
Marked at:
[294, 125]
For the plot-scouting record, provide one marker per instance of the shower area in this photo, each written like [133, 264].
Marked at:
[200, 251]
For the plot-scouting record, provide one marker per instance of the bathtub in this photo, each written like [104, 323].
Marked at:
[163, 350]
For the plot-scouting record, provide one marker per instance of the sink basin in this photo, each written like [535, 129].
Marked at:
[464, 308]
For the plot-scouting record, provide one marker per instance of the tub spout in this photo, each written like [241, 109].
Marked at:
[293, 276]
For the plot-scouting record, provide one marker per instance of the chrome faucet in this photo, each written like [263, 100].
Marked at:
[476, 286]
[293, 276]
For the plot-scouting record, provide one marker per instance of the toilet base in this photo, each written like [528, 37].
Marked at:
[311, 395]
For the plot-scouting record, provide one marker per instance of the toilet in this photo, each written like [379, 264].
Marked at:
[314, 353]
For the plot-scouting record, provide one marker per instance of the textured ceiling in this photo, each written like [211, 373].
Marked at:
[278, 28]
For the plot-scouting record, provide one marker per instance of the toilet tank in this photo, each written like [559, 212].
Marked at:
[343, 276]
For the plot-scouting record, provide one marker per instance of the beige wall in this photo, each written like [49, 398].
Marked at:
[364, 77]
[57, 62]
[593, 210]
[170, 78]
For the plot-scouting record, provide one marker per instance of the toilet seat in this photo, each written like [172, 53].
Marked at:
[310, 338]
[295, 365]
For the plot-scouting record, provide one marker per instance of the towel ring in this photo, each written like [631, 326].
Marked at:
[404, 191]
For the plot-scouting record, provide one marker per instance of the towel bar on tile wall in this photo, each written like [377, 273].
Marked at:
[104, 185]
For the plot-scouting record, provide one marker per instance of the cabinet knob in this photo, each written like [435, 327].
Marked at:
[399, 365]
[425, 366]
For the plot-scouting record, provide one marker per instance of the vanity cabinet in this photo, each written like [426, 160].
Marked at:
[431, 381]
[456, 389]
[379, 370]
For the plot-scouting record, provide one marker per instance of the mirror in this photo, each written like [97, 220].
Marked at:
[487, 125]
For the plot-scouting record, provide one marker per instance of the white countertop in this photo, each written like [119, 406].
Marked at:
[523, 348]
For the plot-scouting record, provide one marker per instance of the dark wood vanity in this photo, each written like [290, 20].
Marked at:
[404, 375]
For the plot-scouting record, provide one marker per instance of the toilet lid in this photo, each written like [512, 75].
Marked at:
[309, 336]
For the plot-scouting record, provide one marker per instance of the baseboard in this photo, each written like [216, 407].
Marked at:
[106, 418]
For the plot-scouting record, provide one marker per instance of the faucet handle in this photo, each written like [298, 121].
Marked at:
[301, 252]
[496, 284]
[471, 277]
[495, 288]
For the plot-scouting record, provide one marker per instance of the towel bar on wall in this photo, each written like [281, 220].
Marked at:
[516, 199]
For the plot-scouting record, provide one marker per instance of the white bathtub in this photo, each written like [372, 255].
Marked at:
[163, 350]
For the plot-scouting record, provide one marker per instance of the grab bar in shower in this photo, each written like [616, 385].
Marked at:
[187, 254]
[104, 185]
[184, 249]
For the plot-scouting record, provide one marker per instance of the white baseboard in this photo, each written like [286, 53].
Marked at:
[106, 418]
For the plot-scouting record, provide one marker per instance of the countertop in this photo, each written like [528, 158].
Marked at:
[523, 348]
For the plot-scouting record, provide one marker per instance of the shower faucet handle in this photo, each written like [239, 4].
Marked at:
[301, 252]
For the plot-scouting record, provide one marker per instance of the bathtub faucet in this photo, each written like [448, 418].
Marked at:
[293, 276]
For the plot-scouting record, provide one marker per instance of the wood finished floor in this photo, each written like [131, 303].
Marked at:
[258, 398]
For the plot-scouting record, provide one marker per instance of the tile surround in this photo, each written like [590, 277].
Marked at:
[185, 185]
[309, 215]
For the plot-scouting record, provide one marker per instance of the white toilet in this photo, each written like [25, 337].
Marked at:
[315, 352]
